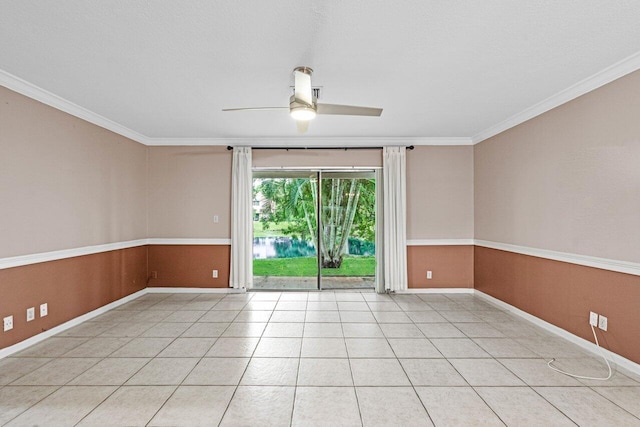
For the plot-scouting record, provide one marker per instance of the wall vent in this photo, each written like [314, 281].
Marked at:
[316, 91]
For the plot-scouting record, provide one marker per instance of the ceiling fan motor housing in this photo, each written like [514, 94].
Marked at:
[305, 70]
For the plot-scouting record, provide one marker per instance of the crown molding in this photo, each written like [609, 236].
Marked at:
[601, 78]
[337, 142]
[32, 91]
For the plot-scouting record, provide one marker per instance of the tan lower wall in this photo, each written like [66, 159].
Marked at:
[563, 294]
[557, 292]
[451, 266]
[71, 287]
[192, 265]
[189, 265]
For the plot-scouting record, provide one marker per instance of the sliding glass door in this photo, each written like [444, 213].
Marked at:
[290, 250]
[347, 221]
[285, 230]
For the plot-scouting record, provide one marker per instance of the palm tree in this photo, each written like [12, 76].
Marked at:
[338, 213]
[295, 200]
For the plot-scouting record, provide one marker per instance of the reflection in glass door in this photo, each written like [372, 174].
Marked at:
[285, 230]
[291, 253]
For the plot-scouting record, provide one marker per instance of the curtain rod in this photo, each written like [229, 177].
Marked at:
[229, 147]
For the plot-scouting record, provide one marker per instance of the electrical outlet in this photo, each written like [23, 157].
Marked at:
[44, 309]
[429, 274]
[8, 323]
[216, 219]
[31, 314]
[593, 318]
[215, 274]
[602, 322]
[154, 274]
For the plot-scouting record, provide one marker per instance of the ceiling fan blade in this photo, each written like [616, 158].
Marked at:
[303, 125]
[255, 109]
[302, 90]
[348, 110]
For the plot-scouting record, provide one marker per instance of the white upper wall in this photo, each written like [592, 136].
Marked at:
[65, 183]
[568, 180]
[440, 193]
[188, 186]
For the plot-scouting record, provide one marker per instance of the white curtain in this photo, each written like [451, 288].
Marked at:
[379, 232]
[395, 207]
[241, 274]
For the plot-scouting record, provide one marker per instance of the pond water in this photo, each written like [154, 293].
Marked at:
[288, 247]
[282, 247]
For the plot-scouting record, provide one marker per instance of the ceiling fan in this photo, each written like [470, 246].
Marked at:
[303, 105]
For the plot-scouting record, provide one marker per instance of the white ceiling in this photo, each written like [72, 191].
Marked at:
[165, 69]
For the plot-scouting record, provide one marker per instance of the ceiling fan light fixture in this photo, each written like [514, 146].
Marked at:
[303, 113]
[303, 104]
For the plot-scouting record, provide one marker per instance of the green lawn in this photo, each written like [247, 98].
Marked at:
[308, 267]
[275, 229]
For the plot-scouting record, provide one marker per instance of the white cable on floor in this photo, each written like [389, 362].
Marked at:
[580, 376]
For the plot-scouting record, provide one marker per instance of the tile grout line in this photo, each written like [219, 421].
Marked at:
[224, 413]
[137, 371]
[191, 370]
[260, 339]
[402, 366]
[521, 379]
[605, 397]
[59, 387]
[353, 381]
[472, 387]
[517, 376]
[31, 406]
[295, 388]
[149, 361]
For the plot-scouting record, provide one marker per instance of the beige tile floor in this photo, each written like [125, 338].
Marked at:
[309, 359]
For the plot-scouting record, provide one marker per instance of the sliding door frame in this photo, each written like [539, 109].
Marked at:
[318, 171]
[319, 226]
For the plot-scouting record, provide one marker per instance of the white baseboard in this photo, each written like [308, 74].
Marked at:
[436, 291]
[622, 362]
[195, 291]
[7, 351]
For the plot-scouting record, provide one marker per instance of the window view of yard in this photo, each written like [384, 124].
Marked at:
[285, 228]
